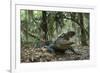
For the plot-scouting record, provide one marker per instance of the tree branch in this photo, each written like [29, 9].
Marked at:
[33, 35]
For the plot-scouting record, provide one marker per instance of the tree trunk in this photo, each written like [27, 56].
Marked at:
[30, 16]
[44, 28]
[83, 34]
[26, 25]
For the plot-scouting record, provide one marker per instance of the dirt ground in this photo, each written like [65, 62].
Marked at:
[42, 55]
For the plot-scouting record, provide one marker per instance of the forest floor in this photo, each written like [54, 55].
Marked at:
[42, 55]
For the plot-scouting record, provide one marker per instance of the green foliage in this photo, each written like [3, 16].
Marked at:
[36, 27]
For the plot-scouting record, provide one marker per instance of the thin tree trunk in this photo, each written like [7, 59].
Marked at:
[83, 34]
[26, 25]
[30, 16]
[44, 24]
[44, 28]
